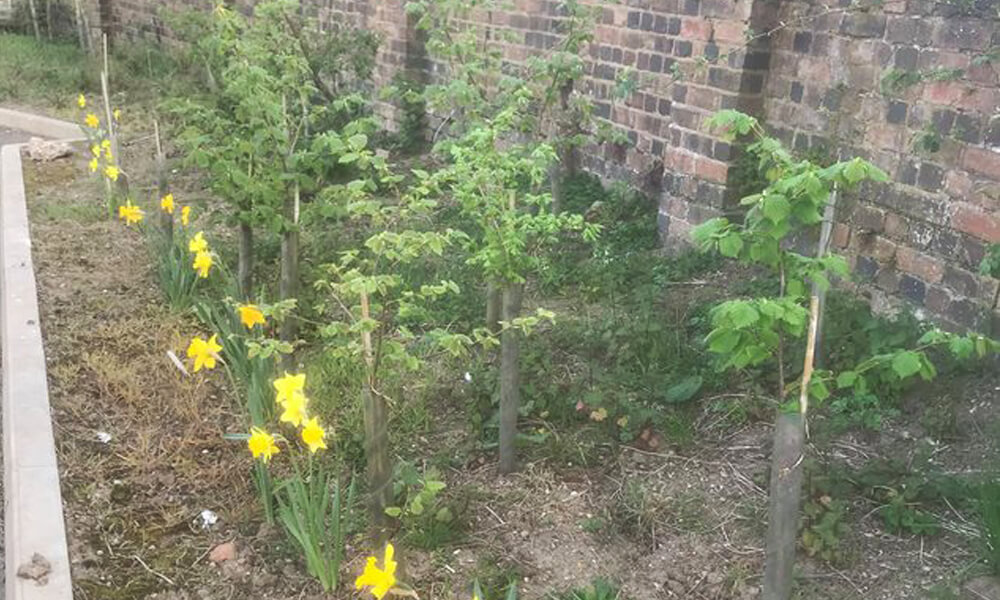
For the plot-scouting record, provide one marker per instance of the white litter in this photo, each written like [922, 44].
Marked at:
[104, 437]
[208, 518]
[468, 377]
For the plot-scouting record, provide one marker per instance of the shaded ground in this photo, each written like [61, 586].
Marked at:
[12, 136]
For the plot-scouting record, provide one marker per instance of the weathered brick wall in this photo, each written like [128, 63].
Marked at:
[815, 80]
[921, 238]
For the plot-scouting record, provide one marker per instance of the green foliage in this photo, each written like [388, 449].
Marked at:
[902, 514]
[990, 264]
[989, 511]
[178, 280]
[823, 528]
[599, 589]
[427, 520]
[318, 516]
[895, 81]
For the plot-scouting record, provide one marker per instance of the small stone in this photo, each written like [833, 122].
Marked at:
[223, 552]
[45, 151]
[38, 569]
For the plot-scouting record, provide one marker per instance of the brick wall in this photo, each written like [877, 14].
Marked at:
[817, 83]
[921, 238]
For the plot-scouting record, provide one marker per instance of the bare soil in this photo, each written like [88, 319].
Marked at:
[682, 523]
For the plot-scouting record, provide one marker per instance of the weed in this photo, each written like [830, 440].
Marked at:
[989, 510]
[427, 520]
[823, 528]
[599, 589]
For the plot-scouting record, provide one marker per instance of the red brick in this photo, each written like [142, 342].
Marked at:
[896, 226]
[957, 184]
[982, 161]
[696, 29]
[925, 267]
[711, 170]
[946, 92]
[979, 224]
[732, 32]
[841, 236]
[884, 135]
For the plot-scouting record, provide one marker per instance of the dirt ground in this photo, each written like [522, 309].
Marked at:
[669, 523]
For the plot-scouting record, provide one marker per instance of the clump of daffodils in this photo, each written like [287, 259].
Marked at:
[291, 398]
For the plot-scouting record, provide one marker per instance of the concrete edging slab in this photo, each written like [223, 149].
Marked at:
[40, 126]
[33, 511]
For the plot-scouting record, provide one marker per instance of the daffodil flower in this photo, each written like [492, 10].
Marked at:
[250, 315]
[295, 410]
[185, 215]
[313, 434]
[95, 150]
[289, 386]
[92, 121]
[93, 164]
[379, 581]
[261, 444]
[130, 213]
[197, 243]
[202, 263]
[111, 172]
[81, 101]
[106, 144]
[116, 114]
[203, 352]
[167, 204]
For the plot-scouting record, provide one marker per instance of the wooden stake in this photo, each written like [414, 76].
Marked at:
[34, 19]
[376, 432]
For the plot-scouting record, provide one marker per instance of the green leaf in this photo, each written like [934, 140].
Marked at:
[731, 244]
[906, 363]
[846, 379]
[818, 390]
[776, 207]
[722, 341]
[683, 391]
[393, 511]
[743, 315]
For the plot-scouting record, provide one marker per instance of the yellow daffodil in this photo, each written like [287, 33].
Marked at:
[92, 121]
[111, 172]
[197, 243]
[203, 352]
[380, 581]
[106, 144]
[81, 101]
[107, 155]
[250, 315]
[288, 386]
[295, 410]
[313, 434]
[117, 114]
[167, 204]
[261, 444]
[93, 164]
[130, 213]
[185, 215]
[202, 263]
[95, 150]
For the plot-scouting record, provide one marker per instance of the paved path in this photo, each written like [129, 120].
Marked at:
[12, 136]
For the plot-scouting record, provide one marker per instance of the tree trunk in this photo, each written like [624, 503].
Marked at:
[376, 420]
[81, 30]
[567, 164]
[510, 377]
[289, 285]
[34, 19]
[244, 269]
[825, 233]
[493, 302]
[783, 512]
[48, 19]
[790, 432]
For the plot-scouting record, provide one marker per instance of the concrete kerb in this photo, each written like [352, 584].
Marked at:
[33, 511]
